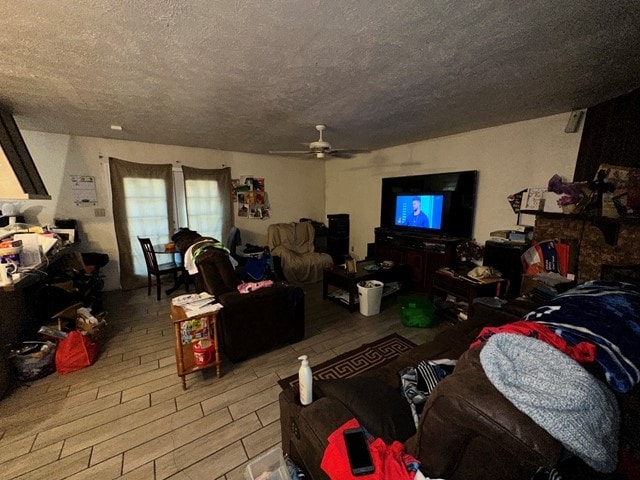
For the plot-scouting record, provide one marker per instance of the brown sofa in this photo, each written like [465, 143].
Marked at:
[467, 431]
[249, 323]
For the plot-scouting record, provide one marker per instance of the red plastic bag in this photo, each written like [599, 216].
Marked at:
[75, 352]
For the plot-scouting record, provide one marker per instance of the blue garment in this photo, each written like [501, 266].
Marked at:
[606, 314]
[420, 220]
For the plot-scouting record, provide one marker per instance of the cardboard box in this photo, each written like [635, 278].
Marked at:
[74, 317]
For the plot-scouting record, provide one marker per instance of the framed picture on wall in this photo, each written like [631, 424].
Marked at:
[255, 212]
[533, 199]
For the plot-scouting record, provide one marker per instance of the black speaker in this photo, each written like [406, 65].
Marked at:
[338, 237]
[505, 257]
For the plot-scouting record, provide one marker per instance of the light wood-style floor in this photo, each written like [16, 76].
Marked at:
[128, 417]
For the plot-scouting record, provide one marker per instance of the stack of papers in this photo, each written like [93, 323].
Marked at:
[191, 298]
[197, 303]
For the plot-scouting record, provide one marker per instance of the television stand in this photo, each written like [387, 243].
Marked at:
[423, 254]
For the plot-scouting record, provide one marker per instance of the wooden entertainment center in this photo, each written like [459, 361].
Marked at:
[423, 254]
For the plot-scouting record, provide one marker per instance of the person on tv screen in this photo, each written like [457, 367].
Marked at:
[417, 218]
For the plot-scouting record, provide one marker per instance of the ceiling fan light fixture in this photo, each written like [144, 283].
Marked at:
[320, 148]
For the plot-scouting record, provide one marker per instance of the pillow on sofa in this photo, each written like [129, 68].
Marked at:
[378, 407]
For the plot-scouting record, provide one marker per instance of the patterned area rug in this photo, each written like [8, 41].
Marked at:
[356, 361]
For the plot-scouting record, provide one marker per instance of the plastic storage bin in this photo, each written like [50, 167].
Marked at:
[268, 466]
[370, 296]
[416, 311]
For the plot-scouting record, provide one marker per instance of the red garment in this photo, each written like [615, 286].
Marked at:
[583, 352]
[389, 460]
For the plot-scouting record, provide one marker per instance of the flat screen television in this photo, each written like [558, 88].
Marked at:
[447, 202]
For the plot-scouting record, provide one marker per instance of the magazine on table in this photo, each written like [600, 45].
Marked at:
[197, 303]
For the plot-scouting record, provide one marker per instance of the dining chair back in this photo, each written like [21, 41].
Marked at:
[155, 269]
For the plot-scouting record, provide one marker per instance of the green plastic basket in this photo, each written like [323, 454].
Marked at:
[416, 311]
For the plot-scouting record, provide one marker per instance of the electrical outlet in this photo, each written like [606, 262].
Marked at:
[99, 212]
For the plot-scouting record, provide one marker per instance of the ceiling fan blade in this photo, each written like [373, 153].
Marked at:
[278, 152]
[340, 154]
[350, 150]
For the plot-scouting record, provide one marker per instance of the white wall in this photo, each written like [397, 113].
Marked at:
[509, 158]
[295, 186]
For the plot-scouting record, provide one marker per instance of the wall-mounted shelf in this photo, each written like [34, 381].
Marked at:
[609, 226]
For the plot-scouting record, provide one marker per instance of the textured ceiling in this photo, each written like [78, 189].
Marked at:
[257, 76]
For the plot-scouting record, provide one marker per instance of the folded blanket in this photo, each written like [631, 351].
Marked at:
[556, 393]
[606, 314]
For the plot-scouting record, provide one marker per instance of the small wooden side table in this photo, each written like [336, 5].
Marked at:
[464, 288]
[185, 362]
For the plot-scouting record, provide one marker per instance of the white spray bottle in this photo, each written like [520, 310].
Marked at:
[305, 381]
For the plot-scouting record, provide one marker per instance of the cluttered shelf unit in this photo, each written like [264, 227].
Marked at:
[609, 226]
[195, 322]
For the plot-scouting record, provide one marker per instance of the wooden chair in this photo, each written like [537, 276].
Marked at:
[158, 270]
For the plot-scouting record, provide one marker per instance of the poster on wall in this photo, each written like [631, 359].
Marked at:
[258, 184]
[84, 190]
[253, 204]
[255, 211]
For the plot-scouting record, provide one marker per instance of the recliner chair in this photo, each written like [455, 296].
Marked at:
[250, 323]
[293, 244]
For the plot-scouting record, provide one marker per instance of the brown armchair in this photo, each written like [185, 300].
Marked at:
[252, 322]
[293, 244]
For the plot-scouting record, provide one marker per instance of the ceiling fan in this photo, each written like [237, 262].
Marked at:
[320, 148]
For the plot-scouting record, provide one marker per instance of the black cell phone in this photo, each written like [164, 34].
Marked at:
[358, 451]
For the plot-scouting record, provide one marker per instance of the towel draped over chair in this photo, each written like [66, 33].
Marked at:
[293, 243]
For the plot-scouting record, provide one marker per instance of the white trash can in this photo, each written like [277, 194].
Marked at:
[370, 296]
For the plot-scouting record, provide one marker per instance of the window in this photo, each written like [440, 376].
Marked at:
[208, 201]
[147, 216]
[146, 200]
[203, 207]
